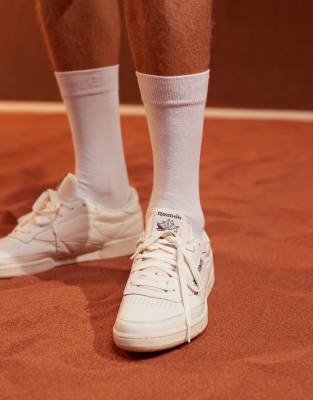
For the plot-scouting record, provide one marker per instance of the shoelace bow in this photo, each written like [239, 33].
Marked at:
[163, 256]
[44, 212]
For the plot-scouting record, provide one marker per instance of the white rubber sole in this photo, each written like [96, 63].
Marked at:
[116, 248]
[167, 340]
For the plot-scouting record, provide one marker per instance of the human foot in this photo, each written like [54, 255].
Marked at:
[63, 229]
[165, 299]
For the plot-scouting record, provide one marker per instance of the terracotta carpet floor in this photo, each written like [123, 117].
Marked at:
[257, 193]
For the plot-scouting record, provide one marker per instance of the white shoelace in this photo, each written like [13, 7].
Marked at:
[44, 212]
[161, 257]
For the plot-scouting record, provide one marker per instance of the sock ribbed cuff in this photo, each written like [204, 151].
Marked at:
[173, 90]
[88, 81]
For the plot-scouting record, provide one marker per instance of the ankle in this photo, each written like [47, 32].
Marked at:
[105, 197]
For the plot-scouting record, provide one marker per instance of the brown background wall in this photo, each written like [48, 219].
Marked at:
[261, 57]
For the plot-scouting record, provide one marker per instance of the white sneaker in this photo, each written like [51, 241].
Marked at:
[165, 299]
[63, 229]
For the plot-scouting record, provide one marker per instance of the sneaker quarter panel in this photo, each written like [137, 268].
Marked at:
[63, 229]
[165, 299]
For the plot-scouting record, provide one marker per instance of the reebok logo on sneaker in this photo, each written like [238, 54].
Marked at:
[163, 214]
[165, 220]
[167, 225]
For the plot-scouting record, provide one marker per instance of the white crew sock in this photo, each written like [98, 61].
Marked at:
[92, 102]
[175, 112]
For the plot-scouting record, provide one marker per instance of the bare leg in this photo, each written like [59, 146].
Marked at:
[169, 37]
[81, 34]
[170, 42]
[83, 38]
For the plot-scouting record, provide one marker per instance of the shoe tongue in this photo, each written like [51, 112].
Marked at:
[67, 189]
[162, 219]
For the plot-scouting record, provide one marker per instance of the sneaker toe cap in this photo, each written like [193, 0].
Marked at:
[14, 251]
[145, 315]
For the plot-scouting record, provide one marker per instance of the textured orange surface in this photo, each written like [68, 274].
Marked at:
[257, 194]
